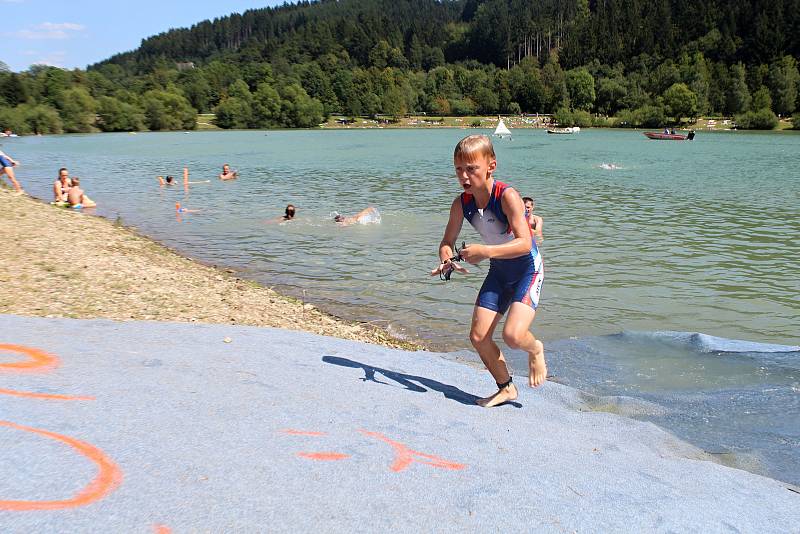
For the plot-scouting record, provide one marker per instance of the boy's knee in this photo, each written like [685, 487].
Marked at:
[478, 338]
[514, 339]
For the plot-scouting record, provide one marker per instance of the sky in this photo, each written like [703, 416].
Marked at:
[77, 33]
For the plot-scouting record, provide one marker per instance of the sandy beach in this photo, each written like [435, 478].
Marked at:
[55, 262]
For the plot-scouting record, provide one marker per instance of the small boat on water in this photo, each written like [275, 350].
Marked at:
[567, 130]
[670, 136]
[502, 130]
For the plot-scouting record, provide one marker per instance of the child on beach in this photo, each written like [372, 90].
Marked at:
[76, 198]
[7, 164]
[535, 221]
[514, 280]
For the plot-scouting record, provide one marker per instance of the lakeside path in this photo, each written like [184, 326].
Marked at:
[56, 262]
[166, 427]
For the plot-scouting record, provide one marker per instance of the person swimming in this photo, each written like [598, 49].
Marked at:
[289, 214]
[227, 173]
[609, 166]
[181, 209]
[369, 215]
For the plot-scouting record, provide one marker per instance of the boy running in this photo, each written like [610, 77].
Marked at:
[515, 276]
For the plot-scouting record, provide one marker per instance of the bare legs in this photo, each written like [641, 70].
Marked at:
[517, 335]
[9, 171]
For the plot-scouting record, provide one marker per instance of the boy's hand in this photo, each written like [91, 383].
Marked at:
[447, 266]
[474, 253]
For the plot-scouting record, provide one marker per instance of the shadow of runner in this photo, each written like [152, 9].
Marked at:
[407, 381]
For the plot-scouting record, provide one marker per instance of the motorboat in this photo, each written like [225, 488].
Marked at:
[567, 130]
[670, 136]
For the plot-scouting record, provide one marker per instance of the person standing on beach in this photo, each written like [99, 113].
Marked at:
[7, 164]
[514, 281]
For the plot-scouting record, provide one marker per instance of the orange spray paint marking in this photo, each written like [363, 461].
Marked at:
[406, 456]
[323, 456]
[301, 432]
[162, 529]
[39, 361]
[106, 481]
[44, 396]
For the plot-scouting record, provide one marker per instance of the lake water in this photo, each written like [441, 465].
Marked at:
[684, 241]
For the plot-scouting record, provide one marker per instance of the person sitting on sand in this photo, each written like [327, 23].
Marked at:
[536, 223]
[227, 173]
[61, 186]
[76, 198]
[366, 216]
[7, 164]
[169, 181]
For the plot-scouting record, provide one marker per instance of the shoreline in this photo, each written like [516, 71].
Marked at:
[56, 262]
[422, 122]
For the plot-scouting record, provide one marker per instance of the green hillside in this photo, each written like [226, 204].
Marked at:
[645, 63]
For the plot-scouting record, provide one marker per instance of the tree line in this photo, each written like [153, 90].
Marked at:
[588, 62]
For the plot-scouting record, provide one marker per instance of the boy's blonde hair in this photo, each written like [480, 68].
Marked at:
[473, 146]
[76, 180]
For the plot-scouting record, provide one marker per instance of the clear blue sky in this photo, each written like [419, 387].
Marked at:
[77, 33]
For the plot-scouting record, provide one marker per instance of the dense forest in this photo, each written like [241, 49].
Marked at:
[589, 62]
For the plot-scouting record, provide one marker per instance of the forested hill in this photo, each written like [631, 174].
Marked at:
[601, 62]
[490, 31]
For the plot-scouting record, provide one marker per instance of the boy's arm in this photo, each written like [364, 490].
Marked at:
[514, 209]
[451, 232]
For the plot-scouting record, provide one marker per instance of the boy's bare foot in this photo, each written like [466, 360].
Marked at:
[508, 393]
[537, 372]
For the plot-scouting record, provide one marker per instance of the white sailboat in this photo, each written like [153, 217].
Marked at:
[502, 130]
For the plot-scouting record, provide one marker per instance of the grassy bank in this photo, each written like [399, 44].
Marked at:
[56, 262]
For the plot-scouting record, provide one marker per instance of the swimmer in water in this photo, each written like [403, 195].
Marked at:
[536, 223]
[227, 173]
[180, 209]
[368, 215]
[289, 214]
[609, 166]
[169, 181]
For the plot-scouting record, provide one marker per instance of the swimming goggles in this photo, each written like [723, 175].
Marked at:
[445, 275]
